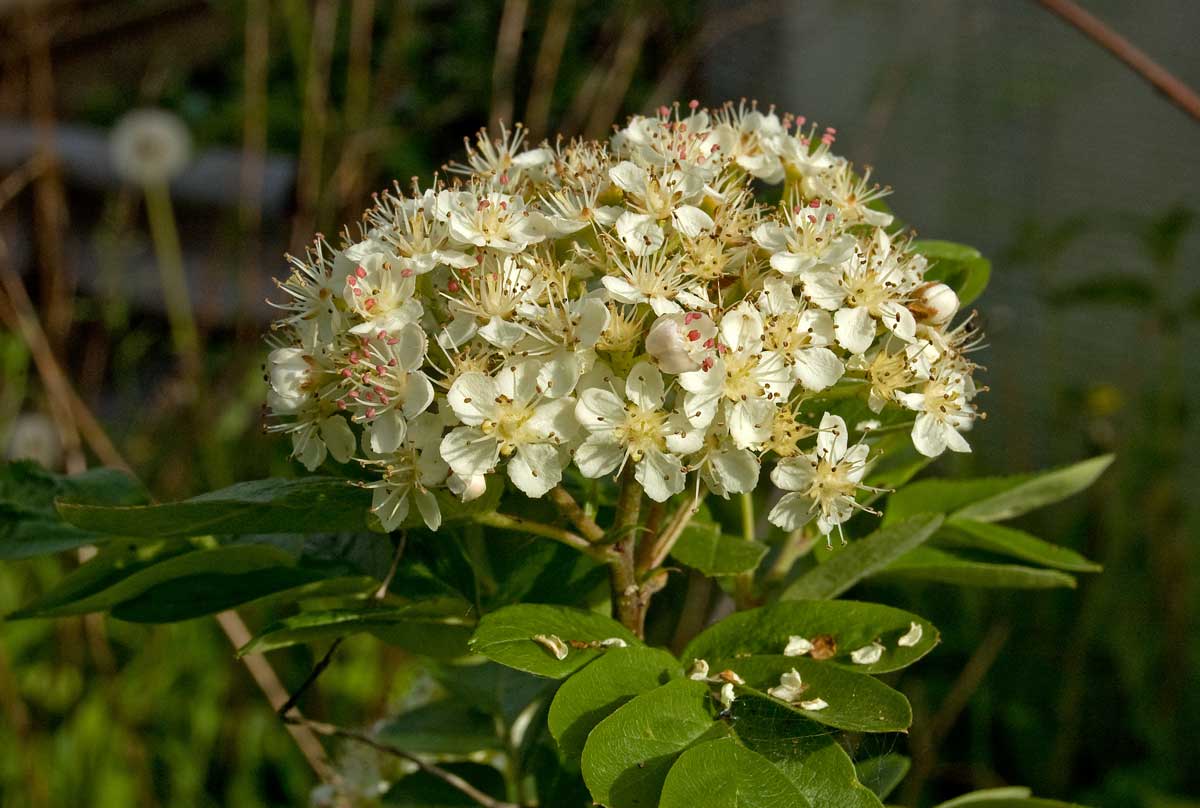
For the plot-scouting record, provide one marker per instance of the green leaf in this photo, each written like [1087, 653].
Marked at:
[492, 688]
[882, 774]
[446, 727]
[725, 774]
[1042, 489]
[931, 564]
[852, 625]
[423, 790]
[857, 702]
[300, 505]
[1012, 542]
[424, 631]
[702, 546]
[29, 525]
[862, 558]
[993, 499]
[957, 265]
[627, 756]
[506, 636]
[172, 580]
[1011, 797]
[599, 689]
[804, 751]
[984, 795]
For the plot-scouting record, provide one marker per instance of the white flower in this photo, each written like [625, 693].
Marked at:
[747, 379]
[797, 646]
[508, 416]
[822, 483]
[813, 705]
[302, 383]
[562, 336]
[790, 687]
[699, 670]
[494, 220]
[723, 467]
[659, 279]
[875, 284]
[944, 408]
[409, 473]
[853, 195]
[868, 654]
[639, 233]
[378, 290]
[911, 637]
[487, 303]
[802, 335]
[388, 388]
[150, 146]
[640, 431]
[811, 239]
[666, 197]
[681, 342]
[416, 231]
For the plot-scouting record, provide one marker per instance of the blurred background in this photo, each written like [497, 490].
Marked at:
[137, 256]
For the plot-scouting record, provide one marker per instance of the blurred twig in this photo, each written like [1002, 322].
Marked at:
[449, 778]
[321, 665]
[616, 82]
[1178, 93]
[545, 71]
[928, 739]
[504, 66]
[718, 26]
[50, 208]
[312, 135]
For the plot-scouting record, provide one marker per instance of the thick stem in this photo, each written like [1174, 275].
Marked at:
[627, 594]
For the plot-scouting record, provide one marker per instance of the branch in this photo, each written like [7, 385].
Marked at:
[320, 667]
[1180, 94]
[569, 508]
[655, 553]
[520, 524]
[449, 778]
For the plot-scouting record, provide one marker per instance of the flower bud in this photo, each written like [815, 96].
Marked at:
[681, 342]
[939, 302]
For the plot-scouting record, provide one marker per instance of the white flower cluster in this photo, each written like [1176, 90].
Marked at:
[633, 302]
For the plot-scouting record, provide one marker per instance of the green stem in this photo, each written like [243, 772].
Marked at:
[169, 255]
[519, 524]
[744, 584]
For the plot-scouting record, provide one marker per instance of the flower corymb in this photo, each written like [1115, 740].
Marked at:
[647, 303]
